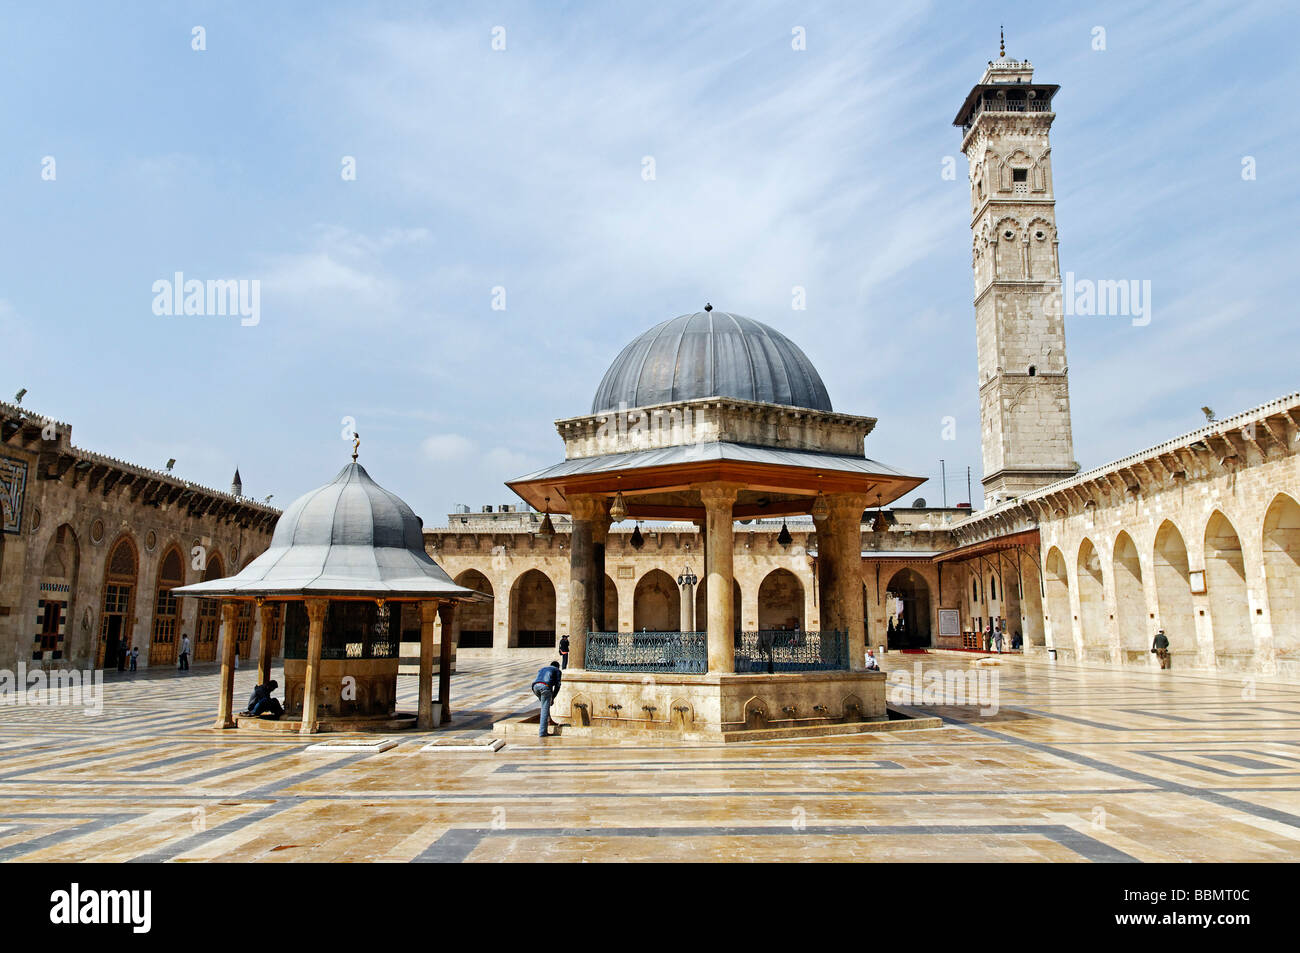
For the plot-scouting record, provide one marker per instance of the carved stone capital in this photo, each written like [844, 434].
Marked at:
[316, 610]
[447, 612]
[589, 508]
[846, 506]
[715, 496]
[428, 611]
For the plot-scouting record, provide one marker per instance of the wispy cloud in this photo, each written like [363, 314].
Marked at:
[516, 178]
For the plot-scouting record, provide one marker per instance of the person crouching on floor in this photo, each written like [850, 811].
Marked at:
[262, 702]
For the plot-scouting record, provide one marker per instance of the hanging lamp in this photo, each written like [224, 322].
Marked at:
[820, 509]
[880, 524]
[547, 528]
[785, 539]
[618, 509]
[637, 540]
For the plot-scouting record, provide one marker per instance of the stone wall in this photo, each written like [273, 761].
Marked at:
[1199, 536]
[711, 420]
[72, 509]
[776, 582]
[1122, 570]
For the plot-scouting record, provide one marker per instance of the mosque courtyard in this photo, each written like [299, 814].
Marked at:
[1078, 764]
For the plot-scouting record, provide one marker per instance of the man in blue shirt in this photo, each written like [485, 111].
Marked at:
[546, 686]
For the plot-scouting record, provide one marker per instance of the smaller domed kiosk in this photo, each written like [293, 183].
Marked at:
[348, 573]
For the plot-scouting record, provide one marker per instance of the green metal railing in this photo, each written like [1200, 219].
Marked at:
[778, 650]
[685, 653]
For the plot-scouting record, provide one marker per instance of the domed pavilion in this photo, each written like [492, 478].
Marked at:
[713, 417]
[347, 568]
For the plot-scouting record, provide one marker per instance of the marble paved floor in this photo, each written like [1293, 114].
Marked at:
[1077, 765]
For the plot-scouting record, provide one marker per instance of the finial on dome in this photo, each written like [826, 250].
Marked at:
[1002, 43]
[356, 445]
[708, 307]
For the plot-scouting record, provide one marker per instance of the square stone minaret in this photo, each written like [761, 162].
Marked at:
[1020, 329]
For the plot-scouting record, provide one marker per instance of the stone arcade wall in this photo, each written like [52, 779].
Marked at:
[771, 577]
[50, 485]
[1199, 536]
[1108, 556]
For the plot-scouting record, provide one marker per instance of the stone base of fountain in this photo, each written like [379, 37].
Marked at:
[715, 707]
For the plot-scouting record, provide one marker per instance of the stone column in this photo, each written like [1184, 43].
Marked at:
[267, 612]
[599, 536]
[821, 571]
[316, 611]
[502, 606]
[841, 549]
[688, 607]
[586, 510]
[701, 623]
[718, 499]
[424, 712]
[453, 639]
[447, 612]
[224, 705]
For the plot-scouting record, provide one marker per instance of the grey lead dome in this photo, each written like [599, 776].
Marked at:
[351, 510]
[350, 537]
[711, 354]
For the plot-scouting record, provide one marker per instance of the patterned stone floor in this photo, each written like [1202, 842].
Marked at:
[1077, 765]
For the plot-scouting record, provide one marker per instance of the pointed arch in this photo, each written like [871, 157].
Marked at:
[532, 611]
[1058, 601]
[1130, 601]
[780, 601]
[1225, 583]
[1092, 604]
[1010, 257]
[656, 603]
[702, 605]
[167, 607]
[1040, 236]
[58, 582]
[474, 619]
[907, 604]
[117, 601]
[1173, 589]
[611, 604]
[1282, 580]
[208, 627]
[1031, 600]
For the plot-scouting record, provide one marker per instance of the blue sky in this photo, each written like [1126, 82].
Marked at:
[522, 168]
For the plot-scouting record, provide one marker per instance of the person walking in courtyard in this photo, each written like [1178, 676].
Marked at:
[122, 653]
[1160, 647]
[546, 686]
[564, 652]
[135, 657]
[997, 637]
[185, 653]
